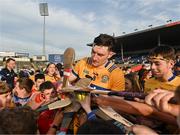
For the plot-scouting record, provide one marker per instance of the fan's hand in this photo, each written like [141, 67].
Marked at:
[159, 98]
[86, 103]
[36, 100]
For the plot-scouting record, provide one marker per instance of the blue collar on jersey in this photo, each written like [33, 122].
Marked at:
[172, 77]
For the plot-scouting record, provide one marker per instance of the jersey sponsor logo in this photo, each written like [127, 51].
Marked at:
[104, 79]
[85, 71]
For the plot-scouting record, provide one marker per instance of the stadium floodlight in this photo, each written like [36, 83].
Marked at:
[43, 8]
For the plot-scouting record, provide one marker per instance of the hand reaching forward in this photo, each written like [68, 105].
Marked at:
[159, 98]
[86, 104]
[142, 130]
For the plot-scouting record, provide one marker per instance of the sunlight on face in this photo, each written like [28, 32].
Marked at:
[11, 64]
[48, 93]
[160, 68]
[51, 69]
[39, 82]
[100, 55]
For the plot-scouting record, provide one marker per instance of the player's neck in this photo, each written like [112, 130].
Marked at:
[166, 77]
[103, 65]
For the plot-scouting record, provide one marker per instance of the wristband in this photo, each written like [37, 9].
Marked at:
[67, 72]
[91, 116]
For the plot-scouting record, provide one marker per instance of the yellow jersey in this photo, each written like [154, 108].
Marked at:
[153, 83]
[52, 79]
[110, 77]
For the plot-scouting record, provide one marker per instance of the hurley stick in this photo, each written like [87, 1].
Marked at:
[74, 107]
[128, 95]
[114, 115]
[104, 116]
[109, 93]
[69, 56]
[55, 105]
[83, 83]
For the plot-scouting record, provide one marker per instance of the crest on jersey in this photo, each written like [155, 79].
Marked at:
[104, 79]
[85, 71]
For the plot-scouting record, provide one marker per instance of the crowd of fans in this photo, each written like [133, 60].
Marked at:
[22, 94]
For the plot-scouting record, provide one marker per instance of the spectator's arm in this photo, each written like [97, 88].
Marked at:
[159, 99]
[142, 130]
[56, 123]
[135, 108]
[86, 105]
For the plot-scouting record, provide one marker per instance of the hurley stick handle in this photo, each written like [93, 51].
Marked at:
[69, 56]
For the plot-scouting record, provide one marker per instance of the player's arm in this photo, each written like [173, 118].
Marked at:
[72, 77]
[135, 108]
[74, 74]
[125, 106]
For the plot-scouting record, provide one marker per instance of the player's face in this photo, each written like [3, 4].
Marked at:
[100, 55]
[161, 68]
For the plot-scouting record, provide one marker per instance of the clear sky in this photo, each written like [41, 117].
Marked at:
[74, 23]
